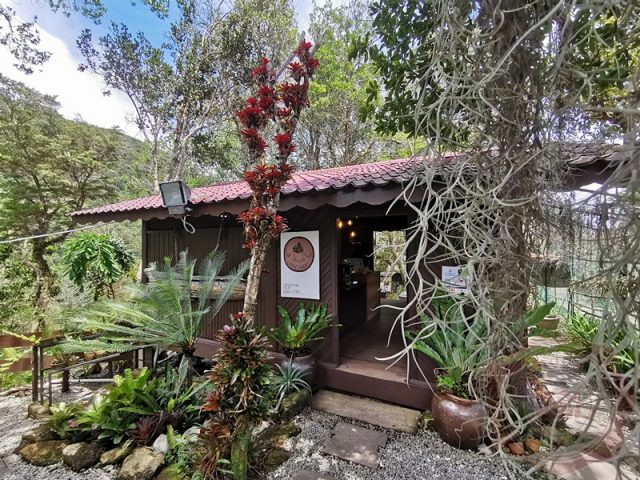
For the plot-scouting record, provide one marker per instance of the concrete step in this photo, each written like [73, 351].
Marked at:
[367, 410]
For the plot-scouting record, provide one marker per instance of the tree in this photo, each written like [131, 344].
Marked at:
[278, 105]
[96, 259]
[49, 167]
[491, 80]
[335, 131]
[185, 89]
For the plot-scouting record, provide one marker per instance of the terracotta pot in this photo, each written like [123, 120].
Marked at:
[550, 322]
[459, 422]
[307, 361]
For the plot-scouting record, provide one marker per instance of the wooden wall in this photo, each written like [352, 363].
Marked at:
[166, 238]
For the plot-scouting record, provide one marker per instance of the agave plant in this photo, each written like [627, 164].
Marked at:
[161, 313]
[452, 341]
[295, 337]
[288, 379]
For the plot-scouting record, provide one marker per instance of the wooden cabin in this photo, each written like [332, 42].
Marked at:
[337, 211]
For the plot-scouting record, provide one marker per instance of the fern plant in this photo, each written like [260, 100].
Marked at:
[161, 313]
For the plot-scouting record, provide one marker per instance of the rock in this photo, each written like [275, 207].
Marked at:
[170, 472]
[79, 456]
[45, 453]
[41, 433]
[274, 459]
[161, 445]
[141, 464]
[294, 403]
[192, 434]
[38, 411]
[277, 434]
[558, 436]
[516, 448]
[532, 445]
[117, 454]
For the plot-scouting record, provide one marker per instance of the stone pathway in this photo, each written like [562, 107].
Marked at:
[356, 444]
[367, 410]
[587, 415]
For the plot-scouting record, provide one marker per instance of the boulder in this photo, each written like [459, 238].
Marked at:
[294, 403]
[44, 453]
[142, 464]
[38, 411]
[277, 434]
[274, 459]
[170, 472]
[161, 445]
[40, 433]
[117, 454]
[79, 456]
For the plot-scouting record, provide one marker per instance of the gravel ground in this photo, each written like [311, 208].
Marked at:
[405, 457]
[14, 423]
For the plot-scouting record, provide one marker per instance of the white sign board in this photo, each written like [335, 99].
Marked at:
[300, 265]
[453, 279]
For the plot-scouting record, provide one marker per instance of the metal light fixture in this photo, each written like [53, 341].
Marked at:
[175, 197]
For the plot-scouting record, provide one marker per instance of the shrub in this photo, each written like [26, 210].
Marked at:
[296, 336]
[243, 394]
[131, 397]
[581, 330]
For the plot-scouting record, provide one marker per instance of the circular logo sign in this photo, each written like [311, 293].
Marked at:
[298, 254]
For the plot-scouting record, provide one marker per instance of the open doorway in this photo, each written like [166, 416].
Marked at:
[372, 292]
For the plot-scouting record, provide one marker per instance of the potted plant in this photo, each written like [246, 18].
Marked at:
[455, 343]
[549, 322]
[295, 337]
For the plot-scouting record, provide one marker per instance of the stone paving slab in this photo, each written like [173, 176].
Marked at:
[367, 410]
[307, 475]
[356, 444]
[582, 466]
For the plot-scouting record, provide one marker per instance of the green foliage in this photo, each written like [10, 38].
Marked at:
[130, 398]
[581, 330]
[61, 415]
[98, 259]
[289, 379]
[446, 384]
[296, 336]
[452, 340]
[243, 395]
[161, 313]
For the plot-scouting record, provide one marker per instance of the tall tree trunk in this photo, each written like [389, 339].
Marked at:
[256, 265]
[44, 280]
[240, 451]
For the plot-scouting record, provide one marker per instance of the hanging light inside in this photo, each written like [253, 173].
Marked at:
[340, 224]
[349, 222]
[352, 234]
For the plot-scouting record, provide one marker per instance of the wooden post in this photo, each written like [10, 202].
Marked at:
[35, 373]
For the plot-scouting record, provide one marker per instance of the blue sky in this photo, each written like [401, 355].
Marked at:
[80, 94]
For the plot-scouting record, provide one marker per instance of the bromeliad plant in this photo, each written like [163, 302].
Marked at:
[296, 336]
[243, 394]
[277, 104]
[161, 313]
[288, 379]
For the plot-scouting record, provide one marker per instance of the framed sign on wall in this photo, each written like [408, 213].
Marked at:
[300, 265]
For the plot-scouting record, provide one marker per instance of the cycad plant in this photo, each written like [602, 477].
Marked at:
[161, 313]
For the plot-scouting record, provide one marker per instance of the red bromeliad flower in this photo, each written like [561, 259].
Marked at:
[262, 73]
[285, 144]
[211, 405]
[281, 103]
[254, 141]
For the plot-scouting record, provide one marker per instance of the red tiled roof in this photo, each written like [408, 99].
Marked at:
[337, 178]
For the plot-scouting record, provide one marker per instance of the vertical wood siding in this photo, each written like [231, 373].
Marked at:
[167, 238]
